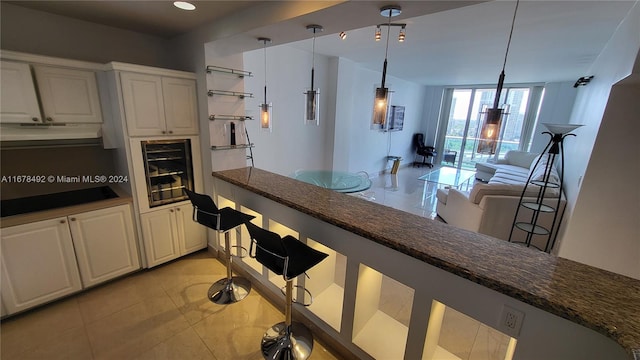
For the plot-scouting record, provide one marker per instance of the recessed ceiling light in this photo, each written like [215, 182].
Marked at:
[184, 5]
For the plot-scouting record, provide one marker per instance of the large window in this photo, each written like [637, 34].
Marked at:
[460, 122]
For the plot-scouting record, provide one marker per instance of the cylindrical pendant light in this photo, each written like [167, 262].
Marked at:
[382, 96]
[492, 122]
[312, 96]
[265, 107]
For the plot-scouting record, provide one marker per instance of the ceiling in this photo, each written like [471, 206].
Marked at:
[455, 43]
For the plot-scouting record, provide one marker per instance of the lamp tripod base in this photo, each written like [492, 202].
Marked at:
[229, 290]
[283, 343]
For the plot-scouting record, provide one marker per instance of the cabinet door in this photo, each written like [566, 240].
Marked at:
[193, 236]
[18, 94]
[68, 95]
[105, 244]
[38, 264]
[180, 106]
[143, 105]
[159, 231]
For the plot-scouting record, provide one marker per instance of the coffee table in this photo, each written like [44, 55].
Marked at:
[449, 177]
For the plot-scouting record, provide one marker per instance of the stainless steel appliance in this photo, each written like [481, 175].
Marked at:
[168, 168]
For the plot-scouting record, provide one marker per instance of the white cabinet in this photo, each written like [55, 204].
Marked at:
[104, 243]
[46, 260]
[38, 264]
[158, 105]
[18, 94]
[170, 233]
[67, 96]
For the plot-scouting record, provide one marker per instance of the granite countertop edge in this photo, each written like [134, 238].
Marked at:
[279, 188]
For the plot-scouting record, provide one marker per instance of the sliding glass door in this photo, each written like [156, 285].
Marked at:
[460, 123]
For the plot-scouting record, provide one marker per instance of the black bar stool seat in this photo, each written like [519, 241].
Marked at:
[230, 289]
[290, 258]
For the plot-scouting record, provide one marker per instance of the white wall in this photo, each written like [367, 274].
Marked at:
[363, 148]
[603, 229]
[292, 144]
[555, 108]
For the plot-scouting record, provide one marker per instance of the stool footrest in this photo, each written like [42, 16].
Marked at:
[242, 250]
[294, 300]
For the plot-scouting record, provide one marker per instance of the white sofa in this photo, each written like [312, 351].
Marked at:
[489, 208]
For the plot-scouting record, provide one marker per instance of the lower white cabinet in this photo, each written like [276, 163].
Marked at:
[105, 244]
[170, 233]
[46, 260]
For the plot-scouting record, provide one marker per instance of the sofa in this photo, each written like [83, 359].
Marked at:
[490, 205]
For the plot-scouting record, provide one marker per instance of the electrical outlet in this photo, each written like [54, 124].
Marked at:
[510, 321]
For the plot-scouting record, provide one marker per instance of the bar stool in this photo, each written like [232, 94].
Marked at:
[230, 289]
[290, 258]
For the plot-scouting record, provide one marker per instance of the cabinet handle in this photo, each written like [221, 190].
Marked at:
[171, 210]
[63, 221]
[73, 219]
[178, 209]
[35, 119]
[170, 131]
[164, 132]
[49, 119]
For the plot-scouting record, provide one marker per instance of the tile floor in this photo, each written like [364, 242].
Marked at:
[162, 314]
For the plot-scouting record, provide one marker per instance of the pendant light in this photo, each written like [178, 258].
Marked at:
[312, 96]
[265, 107]
[382, 96]
[492, 122]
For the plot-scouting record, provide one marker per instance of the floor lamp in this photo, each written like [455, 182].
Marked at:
[557, 132]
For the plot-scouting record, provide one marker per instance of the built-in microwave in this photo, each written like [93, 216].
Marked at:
[163, 168]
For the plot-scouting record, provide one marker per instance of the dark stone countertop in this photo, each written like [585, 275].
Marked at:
[603, 301]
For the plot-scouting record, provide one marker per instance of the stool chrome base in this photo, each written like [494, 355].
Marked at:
[228, 291]
[280, 343]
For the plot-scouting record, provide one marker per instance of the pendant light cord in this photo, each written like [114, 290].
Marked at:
[265, 71]
[313, 58]
[510, 34]
[386, 52]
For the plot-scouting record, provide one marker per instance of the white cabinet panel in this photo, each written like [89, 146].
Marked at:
[38, 264]
[193, 235]
[105, 244]
[143, 104]
[18, 94]
[171, 233]
[68, 95]
[180, 105]
[160, 236]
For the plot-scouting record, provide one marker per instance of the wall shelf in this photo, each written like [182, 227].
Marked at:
[241, 95]
[229, 117]
[231, 147]
[239, 73]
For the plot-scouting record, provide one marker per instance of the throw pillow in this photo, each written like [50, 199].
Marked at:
[537, 172]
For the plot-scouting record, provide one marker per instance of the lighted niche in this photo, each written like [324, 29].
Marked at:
[452, 335]
[251, 262]
[383, 310]
[326, 284]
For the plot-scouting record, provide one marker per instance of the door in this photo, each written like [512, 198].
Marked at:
[18, 94]
[38, 264]
[160, 235]
[143, 104]
[105, 244]
[180, 106]
[68, 95]
[193, 236]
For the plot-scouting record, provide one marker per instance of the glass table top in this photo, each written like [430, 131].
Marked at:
[339, 181]
[448, 176]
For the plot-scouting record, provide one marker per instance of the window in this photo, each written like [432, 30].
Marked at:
[460, 122]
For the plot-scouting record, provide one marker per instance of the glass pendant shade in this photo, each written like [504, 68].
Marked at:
[490, 131]
[265, 116]
[312, 107]
[380, 108]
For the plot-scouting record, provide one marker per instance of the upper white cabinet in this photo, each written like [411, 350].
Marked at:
[67, 95]
[18, 94]
[159, 105]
